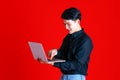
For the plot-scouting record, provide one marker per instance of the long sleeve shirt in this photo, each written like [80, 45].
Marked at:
[75, 49]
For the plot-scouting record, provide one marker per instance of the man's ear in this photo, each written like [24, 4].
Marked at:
[77, 21]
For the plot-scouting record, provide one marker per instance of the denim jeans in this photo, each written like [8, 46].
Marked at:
[73, 77]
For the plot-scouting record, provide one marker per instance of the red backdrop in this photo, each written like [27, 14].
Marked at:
[39, 20]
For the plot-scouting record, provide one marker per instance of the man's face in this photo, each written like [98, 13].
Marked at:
[70, 25]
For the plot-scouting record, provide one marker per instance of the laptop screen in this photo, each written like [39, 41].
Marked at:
[37, 51]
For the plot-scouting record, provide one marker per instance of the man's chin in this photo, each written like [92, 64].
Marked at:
[70, 32]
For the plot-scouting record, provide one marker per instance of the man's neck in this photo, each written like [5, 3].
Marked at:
[78, 28]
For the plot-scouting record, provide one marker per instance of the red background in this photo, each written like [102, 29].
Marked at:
[39, 20]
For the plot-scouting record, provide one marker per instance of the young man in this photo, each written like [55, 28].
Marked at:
[75, 49]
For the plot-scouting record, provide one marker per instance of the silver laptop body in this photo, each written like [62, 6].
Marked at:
[39, 53]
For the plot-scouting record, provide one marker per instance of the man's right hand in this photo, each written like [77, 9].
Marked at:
[52, 53]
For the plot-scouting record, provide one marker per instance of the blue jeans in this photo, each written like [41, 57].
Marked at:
[73, 77]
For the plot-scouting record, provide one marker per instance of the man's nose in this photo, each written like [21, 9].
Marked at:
[66, 26]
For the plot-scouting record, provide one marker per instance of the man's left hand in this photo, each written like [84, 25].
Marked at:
[51, 63]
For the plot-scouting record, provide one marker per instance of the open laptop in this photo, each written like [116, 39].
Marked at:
[39, 53]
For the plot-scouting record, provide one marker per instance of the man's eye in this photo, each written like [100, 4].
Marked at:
[65, 24]
[68, 24]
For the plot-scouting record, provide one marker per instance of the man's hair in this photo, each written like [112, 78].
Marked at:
[71, 14]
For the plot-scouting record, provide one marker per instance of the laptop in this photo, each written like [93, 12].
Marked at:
[39, 53]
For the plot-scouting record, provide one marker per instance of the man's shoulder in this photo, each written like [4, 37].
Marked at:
[84, 38]
[67, 36]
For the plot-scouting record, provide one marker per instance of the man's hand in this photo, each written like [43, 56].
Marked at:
[51, 63]
[52, 53]
[39, 60]
[42, 62]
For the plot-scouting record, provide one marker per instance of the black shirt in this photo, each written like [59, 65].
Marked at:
[75, 49]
